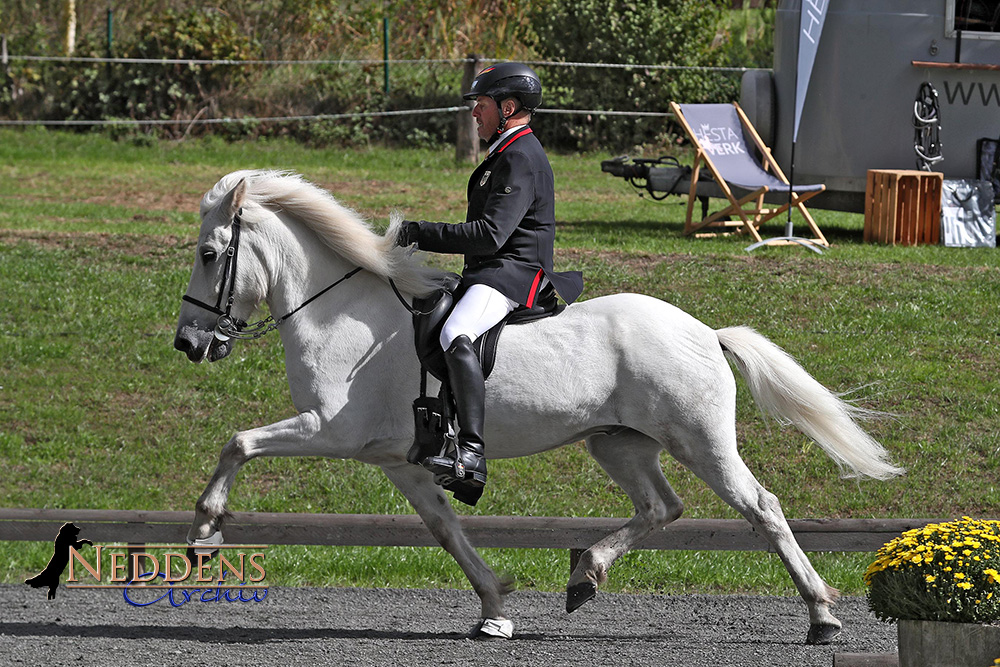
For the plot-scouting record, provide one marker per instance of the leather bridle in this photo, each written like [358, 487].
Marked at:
[226, 326]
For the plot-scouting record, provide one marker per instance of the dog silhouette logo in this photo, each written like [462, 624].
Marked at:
[49, 577]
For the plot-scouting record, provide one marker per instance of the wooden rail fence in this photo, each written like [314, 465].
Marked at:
[139, 528]
[574, 533]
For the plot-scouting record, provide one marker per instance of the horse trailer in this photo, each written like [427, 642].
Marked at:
[873, 59]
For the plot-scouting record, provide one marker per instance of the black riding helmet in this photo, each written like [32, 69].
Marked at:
[508, 80]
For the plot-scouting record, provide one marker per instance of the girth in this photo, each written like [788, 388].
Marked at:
[432, 311]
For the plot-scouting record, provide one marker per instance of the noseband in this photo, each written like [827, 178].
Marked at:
[226, 326]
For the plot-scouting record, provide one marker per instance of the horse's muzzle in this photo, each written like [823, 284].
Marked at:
[200, 345]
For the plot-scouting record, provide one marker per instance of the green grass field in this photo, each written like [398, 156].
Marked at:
[98, 411]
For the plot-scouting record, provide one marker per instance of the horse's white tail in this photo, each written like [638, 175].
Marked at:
[784, 389]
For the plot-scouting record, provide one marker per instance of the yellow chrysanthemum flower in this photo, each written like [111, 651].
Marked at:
[963, 548]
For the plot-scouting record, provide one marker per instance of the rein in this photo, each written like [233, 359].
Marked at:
[402, 300]
[226, 326]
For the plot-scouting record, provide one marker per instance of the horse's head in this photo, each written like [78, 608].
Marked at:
[295, 239]
[221, 286]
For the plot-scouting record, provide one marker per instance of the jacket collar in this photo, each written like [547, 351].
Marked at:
[507, 138]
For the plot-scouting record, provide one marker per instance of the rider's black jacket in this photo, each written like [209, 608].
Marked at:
[509, 232]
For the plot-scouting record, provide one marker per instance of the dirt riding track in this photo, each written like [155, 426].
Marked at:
[311, 626]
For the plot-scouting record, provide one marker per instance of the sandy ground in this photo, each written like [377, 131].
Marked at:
[331, 626]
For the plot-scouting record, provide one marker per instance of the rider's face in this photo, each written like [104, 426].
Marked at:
[487, 117]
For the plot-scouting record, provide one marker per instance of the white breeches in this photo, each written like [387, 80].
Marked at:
[475, 313]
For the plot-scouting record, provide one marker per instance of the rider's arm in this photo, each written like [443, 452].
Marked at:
[511, 193]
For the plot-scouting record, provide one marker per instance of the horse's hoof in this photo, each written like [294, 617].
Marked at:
[578, 594]
[493, 629]
[208, 546]
[822, 633]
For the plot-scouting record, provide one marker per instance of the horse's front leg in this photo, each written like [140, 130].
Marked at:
[432, 505]
[289, 437]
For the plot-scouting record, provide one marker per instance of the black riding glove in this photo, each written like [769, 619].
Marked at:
[408, 232]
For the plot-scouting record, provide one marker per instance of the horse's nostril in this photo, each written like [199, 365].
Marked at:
[182, 344]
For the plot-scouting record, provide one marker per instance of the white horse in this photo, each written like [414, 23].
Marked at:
[629, 374]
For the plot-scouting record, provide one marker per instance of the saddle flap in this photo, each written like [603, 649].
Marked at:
[486, 345]
[429, 315]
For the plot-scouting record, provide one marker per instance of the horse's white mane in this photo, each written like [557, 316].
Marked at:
[342, 229]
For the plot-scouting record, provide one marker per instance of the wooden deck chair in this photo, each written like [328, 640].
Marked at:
[718, 132]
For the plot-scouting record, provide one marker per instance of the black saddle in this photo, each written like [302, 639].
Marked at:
[433, 310]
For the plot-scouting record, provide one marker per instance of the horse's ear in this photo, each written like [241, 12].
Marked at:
[233, 200]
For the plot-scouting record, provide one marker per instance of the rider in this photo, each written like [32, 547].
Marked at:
[507, 241]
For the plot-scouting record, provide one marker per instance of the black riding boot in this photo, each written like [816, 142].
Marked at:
[465, 376]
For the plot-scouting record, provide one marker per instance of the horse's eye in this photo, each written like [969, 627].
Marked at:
[208, 255]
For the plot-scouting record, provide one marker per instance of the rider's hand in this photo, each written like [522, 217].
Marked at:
[407, 233]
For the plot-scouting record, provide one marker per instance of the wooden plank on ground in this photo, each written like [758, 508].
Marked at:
[865, 660]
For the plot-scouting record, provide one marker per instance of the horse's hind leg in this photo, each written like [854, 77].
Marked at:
[632, 461]
[732, 480]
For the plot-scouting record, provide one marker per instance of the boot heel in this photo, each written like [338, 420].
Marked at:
[474, 478]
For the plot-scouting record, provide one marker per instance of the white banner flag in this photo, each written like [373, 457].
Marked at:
[812, 13]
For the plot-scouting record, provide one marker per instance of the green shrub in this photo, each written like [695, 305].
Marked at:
[656, 32]
[195, 34]
[748, 36]
[67, 91]
[663, 32]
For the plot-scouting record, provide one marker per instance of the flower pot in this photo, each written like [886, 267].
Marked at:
[938, 644]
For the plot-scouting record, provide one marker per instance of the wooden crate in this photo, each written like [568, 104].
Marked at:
[903, 207]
